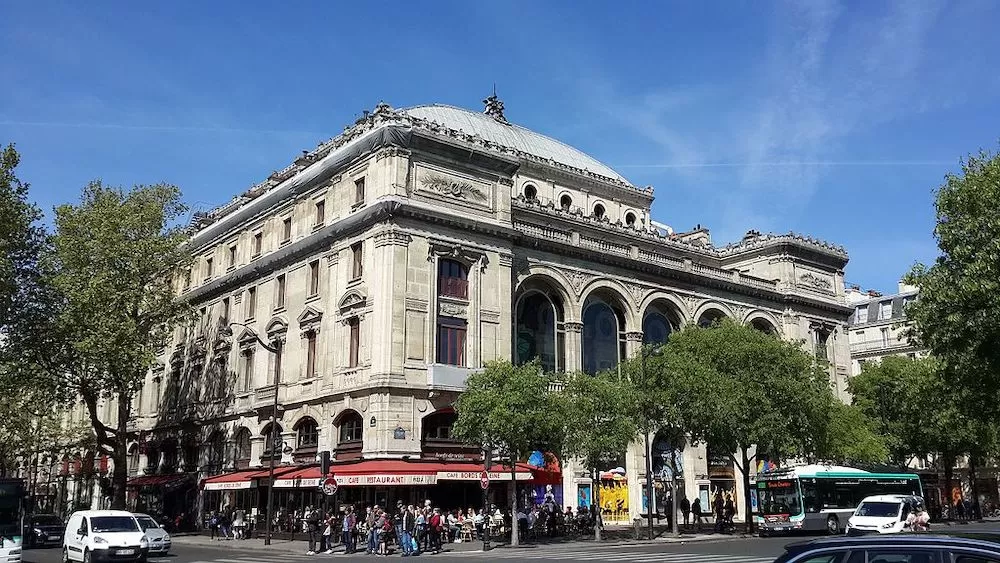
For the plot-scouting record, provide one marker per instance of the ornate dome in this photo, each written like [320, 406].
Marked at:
[497, 130]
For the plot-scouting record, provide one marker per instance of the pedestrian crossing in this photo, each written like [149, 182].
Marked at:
[612, 556]
[250, 558]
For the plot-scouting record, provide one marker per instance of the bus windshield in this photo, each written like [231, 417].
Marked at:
[11, 496]
[781, 497]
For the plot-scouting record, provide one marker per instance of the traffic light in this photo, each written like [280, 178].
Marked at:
[324, 463]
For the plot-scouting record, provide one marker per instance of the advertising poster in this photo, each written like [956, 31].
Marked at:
[583, 496]
[614, 501]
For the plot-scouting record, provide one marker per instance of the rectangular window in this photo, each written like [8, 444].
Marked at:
[187, 279]
[232, 257]
[355, 346]
[251, 303]
[359, 190]
[286, 229]
[208, 269]
[279, 296]
[885, 337]
[885, 310]
[224, 317]
[314, 277]
[258, 244]
[311, 354]
[357, 261]
[861, 315]
[820, 344]
[279, 350]
[320, 213]
[451, 341]
[247, 370]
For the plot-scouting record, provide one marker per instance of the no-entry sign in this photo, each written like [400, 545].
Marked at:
[330, 486]
[484, 480]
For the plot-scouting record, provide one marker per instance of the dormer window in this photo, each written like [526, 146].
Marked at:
[565, 202]
[530, 193]
[599, 212]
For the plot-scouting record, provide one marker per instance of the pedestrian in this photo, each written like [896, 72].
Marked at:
[224, 524]
[239, 524]
[329, 525]
[409, 525]
[719, 511]
[422, 539]
[696, 513]
[213, 525]
[398, 522]
[347, 529]
[311, 519]
[435, 530]
[686, 510]
[372, 530]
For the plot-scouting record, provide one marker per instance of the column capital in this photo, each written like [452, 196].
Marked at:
[574, 327]
[634, 336]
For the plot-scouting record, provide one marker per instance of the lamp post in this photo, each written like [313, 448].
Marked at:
[272, 438]
[645, 353]
[487, 463]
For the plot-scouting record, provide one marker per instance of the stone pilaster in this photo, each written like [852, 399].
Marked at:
[574, 346]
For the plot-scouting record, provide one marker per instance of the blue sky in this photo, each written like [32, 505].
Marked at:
[834, 119]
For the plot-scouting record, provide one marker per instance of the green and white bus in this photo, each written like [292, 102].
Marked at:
[11, 518]
[822, 497]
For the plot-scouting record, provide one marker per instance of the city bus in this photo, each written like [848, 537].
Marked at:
[822, 497]
[11, 519]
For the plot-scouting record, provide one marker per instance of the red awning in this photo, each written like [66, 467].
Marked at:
[396, 472]
[245, 479]
[155, 481]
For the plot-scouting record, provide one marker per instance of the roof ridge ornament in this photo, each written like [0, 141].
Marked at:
[494, 107]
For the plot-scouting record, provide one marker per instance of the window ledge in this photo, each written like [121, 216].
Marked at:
[313, 297]
[256, 256]
[285, 242]
[318, 226]
[357, 205]
[231, 268]
[279, 309]
[354, 281]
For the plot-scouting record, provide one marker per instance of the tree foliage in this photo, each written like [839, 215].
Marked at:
[22, 240]
[957, 315]
[511, 411]
[109, 303]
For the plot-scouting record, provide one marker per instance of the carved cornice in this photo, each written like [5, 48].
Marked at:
[309, 320]
[574, 327]
[353, 298]
[506, 260]
[391, 151]
[392, 237]
[247, 340]
[509, 182]
[443, 249]
[276, 329]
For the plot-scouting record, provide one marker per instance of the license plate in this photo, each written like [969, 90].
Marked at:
[125, 552]
[54, 538]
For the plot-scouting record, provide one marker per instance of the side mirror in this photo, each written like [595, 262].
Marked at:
[82, 531]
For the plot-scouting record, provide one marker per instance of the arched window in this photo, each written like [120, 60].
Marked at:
[539, 331]
[630, 219]
[710, 317]
[307, 434]
[599, 211]
[603, 335]
[453, 279]
[656, 328]
[763, 325]
[351, 428]
[438, 426]
[272, 440]
[215, 452]
[530, 193]
[566, 202]
[241, 451]
[133, 460]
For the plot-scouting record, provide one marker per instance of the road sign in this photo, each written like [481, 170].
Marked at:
[484, 480]
[330, 486]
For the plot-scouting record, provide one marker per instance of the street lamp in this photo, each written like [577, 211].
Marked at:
[655, 350]
[272, 438]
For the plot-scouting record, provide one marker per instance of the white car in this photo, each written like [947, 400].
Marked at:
[159, 539]
[882, 514]
[104, 535]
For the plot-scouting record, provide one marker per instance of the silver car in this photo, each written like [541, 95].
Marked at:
[159, 539]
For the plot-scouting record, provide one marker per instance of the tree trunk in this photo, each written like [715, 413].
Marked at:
[974, 487]
[595, 500]
[948, 474]
[514, 536]
[675, 527]
[747, 505]
[119, 454]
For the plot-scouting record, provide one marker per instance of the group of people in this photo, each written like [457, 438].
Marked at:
[228, 525]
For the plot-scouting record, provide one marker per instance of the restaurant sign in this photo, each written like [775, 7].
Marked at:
[230, 486]
[477, 475]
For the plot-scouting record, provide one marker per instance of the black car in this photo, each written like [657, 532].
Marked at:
[44, 530]
[894, 548]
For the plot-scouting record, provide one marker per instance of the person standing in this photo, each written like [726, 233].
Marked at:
[213, 525]
[435, 529]
[347, 530]
[696, 513]
[409, 524]
[329, 524]
[423, 541]
[311, 517]
[686, 510]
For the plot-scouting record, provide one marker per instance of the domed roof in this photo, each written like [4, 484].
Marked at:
[512, 136]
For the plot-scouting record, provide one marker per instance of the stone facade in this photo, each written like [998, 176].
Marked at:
[878, 325]
[399, 257]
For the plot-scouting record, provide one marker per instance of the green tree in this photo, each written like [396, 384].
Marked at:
[600, 422]
[512, 411]
[111, 306]
[845, 435]
[765, 393]
[22, 240]
[957, 315]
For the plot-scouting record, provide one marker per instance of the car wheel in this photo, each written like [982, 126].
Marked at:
[832, 526]
[65, 555]
[86, 556]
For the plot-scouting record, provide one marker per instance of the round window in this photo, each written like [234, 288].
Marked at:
[599, 211]
[565, 202]
[530, 193]
[630, 219]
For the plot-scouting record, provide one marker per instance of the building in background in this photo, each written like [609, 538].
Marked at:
[878, 325]
[392, 261]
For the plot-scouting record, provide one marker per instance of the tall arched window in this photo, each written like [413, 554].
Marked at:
[710, 317]
[351, 428]
[272, 440]
[133, 460]
[763, 325]
[241, 448]
[539, 331]
[215, 453]
[307, 434]
[603, 335]
[453, 279]
[656, 328]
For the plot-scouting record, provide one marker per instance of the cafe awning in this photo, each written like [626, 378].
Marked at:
[166, 481]
[246, 479]
[395, 472]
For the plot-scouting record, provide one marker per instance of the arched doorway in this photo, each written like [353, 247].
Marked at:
[603, 332]
[539, 330]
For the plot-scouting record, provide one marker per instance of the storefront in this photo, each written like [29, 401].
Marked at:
[171, 498]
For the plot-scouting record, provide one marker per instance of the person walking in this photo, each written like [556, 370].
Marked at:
[347, 530]
[435, 529]
[213, 525]
[686, 511]
[311, 518]
[409, 525]
[696, 514]
[423, 540]
[239, 524]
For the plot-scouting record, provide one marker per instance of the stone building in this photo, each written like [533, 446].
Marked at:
[878, 325]
[392, 261]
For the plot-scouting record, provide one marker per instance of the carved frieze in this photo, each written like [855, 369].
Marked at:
[817, 282]
[392, 237]
[577, 279]
[691, 302]
[633, 336]
[457, 310]
[572, 326]
[637, 292]
[390, 152]
[353, 298]
[453, 187]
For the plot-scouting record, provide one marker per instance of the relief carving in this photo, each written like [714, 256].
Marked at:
[453, 310]
[692, 303]
[812, 280]
[577, 279]
[455, 188]
[637, 292]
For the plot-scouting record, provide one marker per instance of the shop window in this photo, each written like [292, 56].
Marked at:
[451, 341]
[307, 434]
[351, 428]
[453, 279]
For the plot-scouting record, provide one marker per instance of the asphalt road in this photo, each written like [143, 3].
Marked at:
[723, 550]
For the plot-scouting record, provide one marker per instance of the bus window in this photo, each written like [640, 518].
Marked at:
[809, 499]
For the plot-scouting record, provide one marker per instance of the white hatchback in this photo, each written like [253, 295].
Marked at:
[104, 535]
[159, 539]
[882, 514]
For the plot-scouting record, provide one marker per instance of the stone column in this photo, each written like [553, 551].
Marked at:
[633, 343]
[574, 346]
